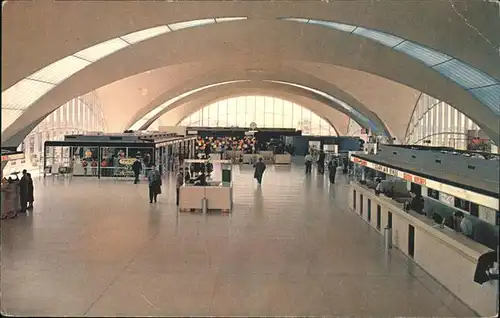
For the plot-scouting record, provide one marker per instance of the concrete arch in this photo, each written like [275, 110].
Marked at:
[335, 118]
[272, 89]
[224, 42]
[58, 29]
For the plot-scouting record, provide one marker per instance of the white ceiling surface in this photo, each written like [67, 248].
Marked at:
[122, 99]
[337, 119]
[244, 43]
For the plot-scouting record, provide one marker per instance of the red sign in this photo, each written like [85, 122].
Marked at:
[419, 180]
[363, 163]
[408, 177]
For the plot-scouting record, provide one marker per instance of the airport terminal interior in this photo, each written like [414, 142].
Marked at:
[250, 158]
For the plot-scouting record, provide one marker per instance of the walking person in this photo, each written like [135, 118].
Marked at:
[23, 191]
[31, 197]
[137, 167]
[309, 160]
[321, 162]
[332, 170]
[178, 184]
[154, 179]
[260, 167]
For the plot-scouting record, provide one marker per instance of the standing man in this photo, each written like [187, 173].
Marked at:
[260, 167]
[23, 191]
[332, 170]
[309, 160]
[154, 179]
[136, 167]
[178, 184]
[321, 162]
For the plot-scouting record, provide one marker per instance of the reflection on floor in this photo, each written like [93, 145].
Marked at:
[290, 248]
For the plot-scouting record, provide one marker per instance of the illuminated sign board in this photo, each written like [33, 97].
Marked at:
[17, 156]
[456, 192]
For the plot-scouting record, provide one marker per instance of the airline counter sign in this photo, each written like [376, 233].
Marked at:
[359, 161]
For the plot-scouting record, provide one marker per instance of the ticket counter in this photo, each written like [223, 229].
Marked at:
[448, 256]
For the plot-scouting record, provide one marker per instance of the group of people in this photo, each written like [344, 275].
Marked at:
[321, 157]
[18, 195]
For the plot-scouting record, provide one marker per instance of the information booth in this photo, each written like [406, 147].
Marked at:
[216, 194]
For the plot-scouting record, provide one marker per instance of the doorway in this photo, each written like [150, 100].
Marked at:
[411, 240]
[369, 210]
[379, 216]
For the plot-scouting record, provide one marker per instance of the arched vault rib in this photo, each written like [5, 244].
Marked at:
[269, 41]
[336, 119]
[232, 88]
[287, 75]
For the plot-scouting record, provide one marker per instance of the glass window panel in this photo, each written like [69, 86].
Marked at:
[213, 114]
[250, 110]
[381, 37]
[426, 55]
[58, 71]
[231, 112]
[145, 34]
[464, 75]
[259, 110]
[101, 50]
[241, 111]
[190, 24]
[297, 116]
[278, 113]
[331, 25]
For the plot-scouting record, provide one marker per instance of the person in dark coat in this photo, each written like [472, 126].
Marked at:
[260, 167]
[332, 170]
[136, 167]
[154, 178]
[321, 162]
[23, 191]
[31, 197]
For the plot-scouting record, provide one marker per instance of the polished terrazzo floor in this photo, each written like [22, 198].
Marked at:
[291, 247]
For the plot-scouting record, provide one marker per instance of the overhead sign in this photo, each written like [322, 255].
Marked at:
[468, 195]
[16, 156]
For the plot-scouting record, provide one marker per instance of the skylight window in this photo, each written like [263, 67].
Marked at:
[60, 70]
[381, 37]
[190, 24]
[101, 50]
[489, 95]
[428, 56]
[24, 93]
[143, 35]
[229, 19]
[334, 25]
[464, 75]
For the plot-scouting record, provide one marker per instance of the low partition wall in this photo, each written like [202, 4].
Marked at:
[218, 197]
[448, 256]
[283, 159]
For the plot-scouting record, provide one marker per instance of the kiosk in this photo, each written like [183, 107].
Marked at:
[215, 195]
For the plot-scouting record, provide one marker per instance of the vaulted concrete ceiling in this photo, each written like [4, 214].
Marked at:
[262, 43]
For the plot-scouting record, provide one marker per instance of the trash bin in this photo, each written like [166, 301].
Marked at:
[387, 238]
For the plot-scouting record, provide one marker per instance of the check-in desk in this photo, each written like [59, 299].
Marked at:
[218, 197]
[448, 256]
[283, 159]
